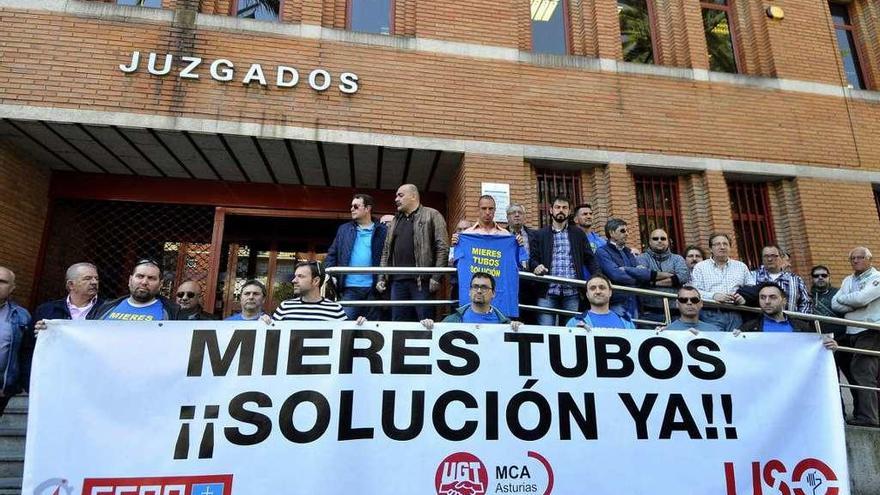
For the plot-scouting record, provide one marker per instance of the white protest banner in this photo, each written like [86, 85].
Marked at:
[220, 408]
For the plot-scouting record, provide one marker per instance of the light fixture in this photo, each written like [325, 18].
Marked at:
[775, 12]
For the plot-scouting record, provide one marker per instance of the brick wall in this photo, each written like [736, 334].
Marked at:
[837, 216]
[466, 186]
[24, 188]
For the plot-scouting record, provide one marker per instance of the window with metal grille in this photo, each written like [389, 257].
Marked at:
[752, 221]
[658, 208]
[114, 235]
[552, 183]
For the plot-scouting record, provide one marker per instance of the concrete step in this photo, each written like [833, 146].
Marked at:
[12, 441]
[11, 465]
[14, 419]
[10, 486]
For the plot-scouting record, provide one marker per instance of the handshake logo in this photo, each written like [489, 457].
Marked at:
[461, 473]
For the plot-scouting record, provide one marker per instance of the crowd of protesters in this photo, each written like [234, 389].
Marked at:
[568, 248]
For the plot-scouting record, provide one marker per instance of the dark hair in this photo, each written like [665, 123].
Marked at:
[486, 196]
[561, 198]
[695, 248]
[688, 287]
[366, 198]
[774, 246]
[713, 235]
[819, 267]
[484, 275]
[613, 225]
[316, 267]
[582, 206]
[764, 285]
[599, 275]
[256, 283]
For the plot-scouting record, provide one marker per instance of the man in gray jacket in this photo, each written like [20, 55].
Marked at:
[416, 237]
[672, 273]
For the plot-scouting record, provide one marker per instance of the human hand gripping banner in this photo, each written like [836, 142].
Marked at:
[497, 255]
[222, 408]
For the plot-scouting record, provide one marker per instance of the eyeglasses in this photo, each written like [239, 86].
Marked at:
[820, 275]
[481, 288]
[658, 238]
[622, 231]
[770, 256]
[355, 207]
[857, 258]
[692, 300]
[187, 294]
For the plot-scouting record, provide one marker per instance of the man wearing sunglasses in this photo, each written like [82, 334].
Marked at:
[143, 303]
[480, 310]
[620, 265]
[671, 269]
[689, 304]
[189, 298]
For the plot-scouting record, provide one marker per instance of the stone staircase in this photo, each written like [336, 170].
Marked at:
[13, 425]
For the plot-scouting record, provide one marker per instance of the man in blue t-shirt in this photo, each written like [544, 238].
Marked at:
[600, 315]
[480, 310]
[252, 296]
[143, 302]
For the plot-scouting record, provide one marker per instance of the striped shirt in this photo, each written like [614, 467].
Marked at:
[297, 310]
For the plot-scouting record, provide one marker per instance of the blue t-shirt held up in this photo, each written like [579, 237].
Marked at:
[497, 255]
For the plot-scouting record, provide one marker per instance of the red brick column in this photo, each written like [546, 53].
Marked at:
[465, 187]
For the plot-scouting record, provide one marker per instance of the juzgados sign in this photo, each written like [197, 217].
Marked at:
[224, 70]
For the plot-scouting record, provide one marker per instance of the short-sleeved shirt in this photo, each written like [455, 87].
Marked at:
[702, 326]
[124, 311]
[471, 316]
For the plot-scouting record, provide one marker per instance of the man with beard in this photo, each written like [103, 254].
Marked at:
[143, 302]
[773, 301]
[480, 310]
[189, 298]
[308, 304]
[560, 250]
[671, 269]
[692, 256]
[599, 315]
[251, 298]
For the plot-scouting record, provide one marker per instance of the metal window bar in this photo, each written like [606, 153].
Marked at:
[666, 297]
[752, 220]
[877, 201]
[552, 183]
[658, 207]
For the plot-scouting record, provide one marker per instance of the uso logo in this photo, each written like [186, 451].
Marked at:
[808, 477]
[461, 473]
[220, 484]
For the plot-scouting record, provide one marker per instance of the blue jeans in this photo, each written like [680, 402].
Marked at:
[569, 303]
[360, 294]
[409, 290]
[727, 321]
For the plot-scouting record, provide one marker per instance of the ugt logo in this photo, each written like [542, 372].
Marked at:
[809, 477]
[54, 486]
[461, 473]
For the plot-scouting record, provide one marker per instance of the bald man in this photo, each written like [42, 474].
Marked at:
[15, 323]
[189, 298]
[416, 237]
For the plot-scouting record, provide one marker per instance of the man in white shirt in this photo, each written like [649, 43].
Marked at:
[718, 279]
[859, 299]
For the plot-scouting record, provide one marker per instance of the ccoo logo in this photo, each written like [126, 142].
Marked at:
[461, 473]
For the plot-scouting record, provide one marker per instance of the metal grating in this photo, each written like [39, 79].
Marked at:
[114, 235]
[657, 203]
[752, 220]
[552, 183]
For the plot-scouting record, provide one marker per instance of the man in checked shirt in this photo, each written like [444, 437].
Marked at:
[718, 278]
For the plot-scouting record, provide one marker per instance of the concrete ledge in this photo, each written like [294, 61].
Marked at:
[863, 454]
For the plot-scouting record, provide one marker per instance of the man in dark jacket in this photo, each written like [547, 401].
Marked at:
[82, 300]
[189, 298]
[773, 301]
[143, 303]
[561, 250]
[358, 243]
[15, 322]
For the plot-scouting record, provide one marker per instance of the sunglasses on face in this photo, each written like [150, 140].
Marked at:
[685, 300]
[820, 275]
[658, 238]
[187, 294]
